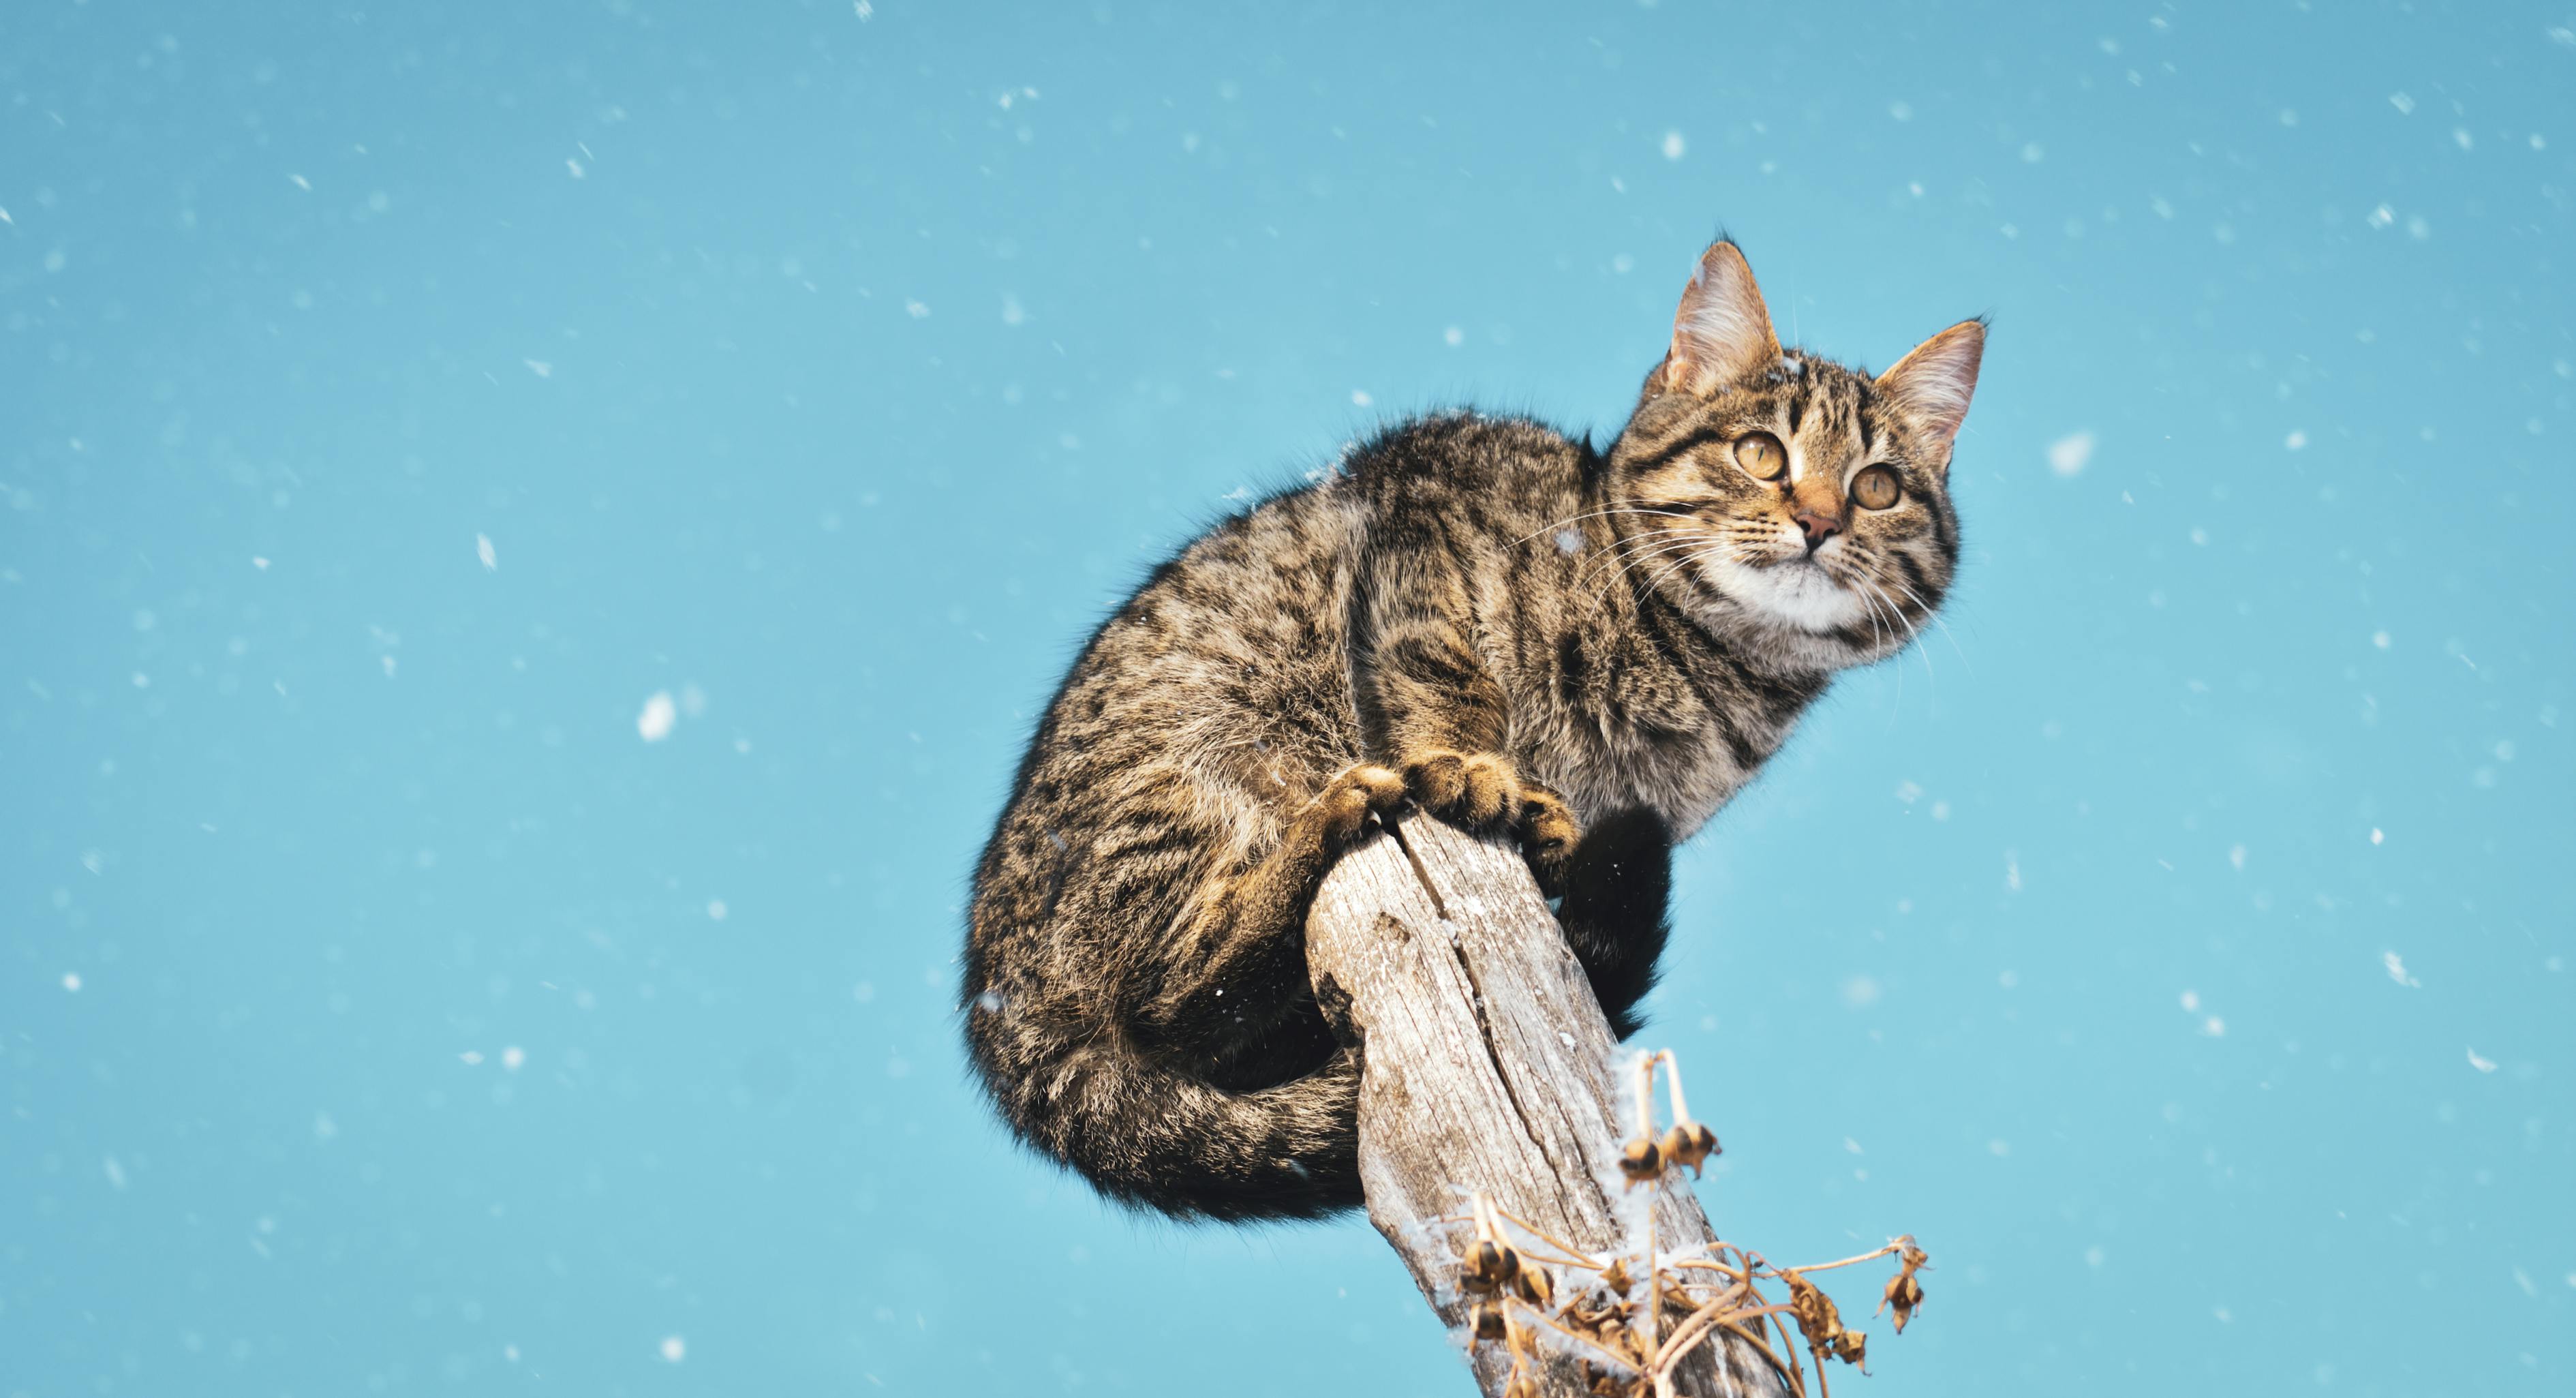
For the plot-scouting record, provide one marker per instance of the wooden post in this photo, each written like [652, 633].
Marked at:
[1489, 1067]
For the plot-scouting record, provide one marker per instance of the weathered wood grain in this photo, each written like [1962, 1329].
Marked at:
[1488, 1066]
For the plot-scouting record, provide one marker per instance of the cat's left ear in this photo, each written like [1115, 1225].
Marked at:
[1932, 385]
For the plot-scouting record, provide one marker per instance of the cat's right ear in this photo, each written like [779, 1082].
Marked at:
[1723, 332]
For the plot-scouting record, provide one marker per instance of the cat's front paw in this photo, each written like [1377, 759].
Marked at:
[1476, 790]
[1549, 834]
[1351, 797]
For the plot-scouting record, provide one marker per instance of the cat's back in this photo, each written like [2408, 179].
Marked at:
[1469, 472]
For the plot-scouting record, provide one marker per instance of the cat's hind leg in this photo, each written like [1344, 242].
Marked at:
[1240, 964]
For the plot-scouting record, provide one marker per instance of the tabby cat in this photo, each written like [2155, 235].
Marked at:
[1482, 616]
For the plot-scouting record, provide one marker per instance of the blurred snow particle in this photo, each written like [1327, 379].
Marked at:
[1453, 337]
[483, 550]
[1012, 313]
[863, 10]
[2417, 228]
[259, 563]
[2397, 971]
[470, 1057]
[115, 1174]
[2483, 1065]
[540, 368]
[514, 1058]
[1673, 145]
[654, 724]
[2563, 36]
[2214, 1027]
[2012, 871]
[916, 310]
[2461, 135]
[2404, 104]
[2381, 217]
[302, 183]
[863, 992]
[324, 1128]
[1900, 111]
[2191, 1002]
[1908, 792]
[2296, 441]
[1860, 992]
[674, 1349]
[1999, 1147]
[2377, 836]
[990, 1002]
[71, 980]
[1360, 398]
[2379, 639]
[2068, 454]
[573, 168]
[510, 1352]
[716, 910]
[2033, 153]
[2236, 857]
[1569, 540]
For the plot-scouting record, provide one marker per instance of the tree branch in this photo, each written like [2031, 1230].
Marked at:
[1488, 1068]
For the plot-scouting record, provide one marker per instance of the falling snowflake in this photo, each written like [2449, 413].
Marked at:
[654, 724]
[2068, 454]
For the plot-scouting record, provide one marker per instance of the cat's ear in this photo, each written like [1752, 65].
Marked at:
[1722, 332]
[1931, 385]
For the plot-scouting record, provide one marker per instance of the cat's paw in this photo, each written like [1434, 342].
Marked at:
[1549, 834]
[1352, 796]
[1477, 790]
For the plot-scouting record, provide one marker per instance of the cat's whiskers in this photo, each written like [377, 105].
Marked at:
[1928, 610]
[1913, 637]
[1577, 519]
[1677, 564]
[1625, 549]
[1685, 545]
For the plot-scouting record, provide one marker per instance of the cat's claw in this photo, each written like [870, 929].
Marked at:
[1352, 796]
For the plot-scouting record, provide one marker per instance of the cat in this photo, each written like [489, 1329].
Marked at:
[1479, 615]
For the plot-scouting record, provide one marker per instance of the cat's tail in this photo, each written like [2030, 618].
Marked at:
[1146, 1135]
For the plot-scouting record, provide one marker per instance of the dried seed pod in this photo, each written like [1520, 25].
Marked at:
[1690, 1143]
[1903, 1295]
[1615, 1276]
[1852, 1347]
[1535, 1286]
[1488, 1322]
[1814, 1311]
[1643, 1160]
[1488, 1266]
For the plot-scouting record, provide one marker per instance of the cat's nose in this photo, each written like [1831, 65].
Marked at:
[1818, 528]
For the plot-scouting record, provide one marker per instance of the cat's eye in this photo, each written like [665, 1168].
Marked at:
[1875, 488]
[1761, 456]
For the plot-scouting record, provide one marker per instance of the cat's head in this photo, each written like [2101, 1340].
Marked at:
[1786, 500]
